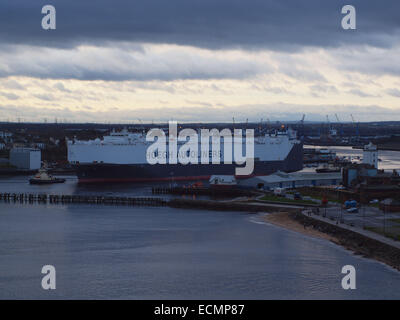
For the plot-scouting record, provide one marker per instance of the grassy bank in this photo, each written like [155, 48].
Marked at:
[273, 198]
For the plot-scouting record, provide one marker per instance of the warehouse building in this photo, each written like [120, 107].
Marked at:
[25, 158]
[293, 180]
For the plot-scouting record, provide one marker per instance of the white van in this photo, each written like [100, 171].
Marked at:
[279, 192]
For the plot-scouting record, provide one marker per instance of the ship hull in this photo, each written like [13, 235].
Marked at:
[117, 173]
[38, 181]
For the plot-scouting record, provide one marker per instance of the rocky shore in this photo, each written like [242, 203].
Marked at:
[356, 242]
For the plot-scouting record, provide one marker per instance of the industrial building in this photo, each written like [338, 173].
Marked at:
[25, 158]
[293, 180]
[355, 173]
[370, 155]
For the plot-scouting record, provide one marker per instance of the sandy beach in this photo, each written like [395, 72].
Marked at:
[283, 219]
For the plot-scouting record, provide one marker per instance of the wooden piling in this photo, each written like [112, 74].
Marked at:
[81, 199]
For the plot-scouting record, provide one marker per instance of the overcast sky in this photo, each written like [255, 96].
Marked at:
[191, 60]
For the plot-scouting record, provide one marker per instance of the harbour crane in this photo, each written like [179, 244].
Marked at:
[302, 124]
[339, 124]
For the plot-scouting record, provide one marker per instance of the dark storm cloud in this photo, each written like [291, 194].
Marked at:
[276, 24]
[123, 63]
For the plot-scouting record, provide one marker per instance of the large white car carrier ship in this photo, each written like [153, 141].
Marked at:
[121, 157]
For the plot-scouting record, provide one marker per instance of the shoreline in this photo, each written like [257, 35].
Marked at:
[352, 241]
[284, 220]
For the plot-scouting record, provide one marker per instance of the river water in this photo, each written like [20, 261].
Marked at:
[110, 252]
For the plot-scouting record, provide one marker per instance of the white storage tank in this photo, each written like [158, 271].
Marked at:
[26, 158]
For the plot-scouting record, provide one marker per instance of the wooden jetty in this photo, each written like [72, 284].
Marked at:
[81, 199]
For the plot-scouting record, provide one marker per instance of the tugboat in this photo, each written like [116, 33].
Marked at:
[43, 177]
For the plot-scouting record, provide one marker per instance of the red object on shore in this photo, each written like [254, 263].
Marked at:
[198, 184]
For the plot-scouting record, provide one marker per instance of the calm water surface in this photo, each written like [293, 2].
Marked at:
[141, 253]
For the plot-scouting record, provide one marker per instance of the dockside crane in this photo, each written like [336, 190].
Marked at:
[339, 124]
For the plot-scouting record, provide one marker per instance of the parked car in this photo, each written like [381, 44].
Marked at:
[352, 210]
